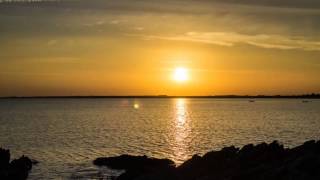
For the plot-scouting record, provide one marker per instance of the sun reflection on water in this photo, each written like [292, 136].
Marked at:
[181, 130]
[181, 113]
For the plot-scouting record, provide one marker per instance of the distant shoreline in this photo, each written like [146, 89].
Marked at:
[307, 96]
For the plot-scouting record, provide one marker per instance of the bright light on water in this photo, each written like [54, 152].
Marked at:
[136, 106]
[181, 130]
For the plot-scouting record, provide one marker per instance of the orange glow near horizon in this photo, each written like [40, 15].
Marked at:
[199, 75]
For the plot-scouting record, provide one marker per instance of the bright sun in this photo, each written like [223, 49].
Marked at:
[180, 74]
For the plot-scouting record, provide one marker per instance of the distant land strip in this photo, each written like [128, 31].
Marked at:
[305, 96]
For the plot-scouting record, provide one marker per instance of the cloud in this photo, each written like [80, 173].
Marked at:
[313, 4]
[154, 6]
[251, 21]
[132, 4]
[232, 39]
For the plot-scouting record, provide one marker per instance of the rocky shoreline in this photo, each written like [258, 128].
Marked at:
[17, 169]
[251, 162]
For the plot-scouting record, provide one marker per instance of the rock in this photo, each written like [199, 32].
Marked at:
[131, 162]
[4, 157]
[251, 162]
[136, 166]
[17, 169]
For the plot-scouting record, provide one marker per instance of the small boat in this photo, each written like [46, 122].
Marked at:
[252, 101]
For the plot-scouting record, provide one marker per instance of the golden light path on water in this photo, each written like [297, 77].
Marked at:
[181, 130]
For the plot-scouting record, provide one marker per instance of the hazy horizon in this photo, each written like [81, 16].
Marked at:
[173, 96]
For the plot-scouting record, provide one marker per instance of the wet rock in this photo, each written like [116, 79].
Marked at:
[17, 169]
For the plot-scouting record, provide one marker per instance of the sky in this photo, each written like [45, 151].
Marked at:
[132, 47]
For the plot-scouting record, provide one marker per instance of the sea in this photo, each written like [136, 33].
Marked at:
[66, 134]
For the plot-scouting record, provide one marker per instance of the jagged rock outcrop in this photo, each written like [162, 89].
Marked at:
[251, 162]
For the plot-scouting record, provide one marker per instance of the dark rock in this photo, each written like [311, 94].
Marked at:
[4, 157]
[17, 169]
[252, 162]
[131, 162]
[135, 166]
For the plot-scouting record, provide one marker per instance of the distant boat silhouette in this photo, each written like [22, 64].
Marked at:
[252, 101]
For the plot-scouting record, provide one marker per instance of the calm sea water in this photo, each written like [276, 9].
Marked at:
[65, 135]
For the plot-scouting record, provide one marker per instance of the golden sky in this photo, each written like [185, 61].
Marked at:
[127, 47]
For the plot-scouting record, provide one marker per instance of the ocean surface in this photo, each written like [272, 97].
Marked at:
[66, 135]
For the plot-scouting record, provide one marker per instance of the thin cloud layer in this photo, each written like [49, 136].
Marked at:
[233, 39]
[171, 6]
[282, 3]
[285, 24]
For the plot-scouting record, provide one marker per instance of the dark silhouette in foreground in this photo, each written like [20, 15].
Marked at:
[251, 162]
[17, 169]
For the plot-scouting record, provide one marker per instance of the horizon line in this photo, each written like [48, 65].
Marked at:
[312, 95]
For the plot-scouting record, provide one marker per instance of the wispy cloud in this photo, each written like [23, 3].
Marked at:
[262, 23]
[278, 3]
[232, 39]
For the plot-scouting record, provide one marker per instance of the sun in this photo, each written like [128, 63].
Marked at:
[180, 74]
